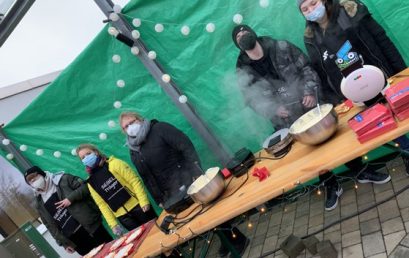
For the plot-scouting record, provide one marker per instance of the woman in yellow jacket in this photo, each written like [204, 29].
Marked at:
[116, 189]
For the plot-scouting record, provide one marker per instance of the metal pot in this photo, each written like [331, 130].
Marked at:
[207, 187]
[315, 126]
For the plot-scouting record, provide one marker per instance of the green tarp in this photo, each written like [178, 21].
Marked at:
[77, 107]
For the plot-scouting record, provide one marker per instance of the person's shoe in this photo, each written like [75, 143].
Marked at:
[241, 247]
[405, 159]
[333, 193]
[373, 177]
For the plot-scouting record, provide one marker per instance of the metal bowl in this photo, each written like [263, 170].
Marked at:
[315, 126]
[207, 187]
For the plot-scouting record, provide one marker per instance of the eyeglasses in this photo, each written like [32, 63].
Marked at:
[128, 124]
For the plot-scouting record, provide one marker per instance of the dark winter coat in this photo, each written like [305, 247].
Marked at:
[291, 78]
[166, 161]
[82, 208]
[350, 21]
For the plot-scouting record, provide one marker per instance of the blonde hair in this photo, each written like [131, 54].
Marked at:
[88, 146]
[129, 114]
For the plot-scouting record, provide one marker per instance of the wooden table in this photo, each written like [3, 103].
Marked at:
[302, 164]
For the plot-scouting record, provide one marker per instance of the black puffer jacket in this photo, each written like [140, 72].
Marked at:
[290, 79]
[351, 21]
[166, 161]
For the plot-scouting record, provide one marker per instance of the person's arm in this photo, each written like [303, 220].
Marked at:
[103, 207]
[81, 190]
[386, 45]
[122, 169]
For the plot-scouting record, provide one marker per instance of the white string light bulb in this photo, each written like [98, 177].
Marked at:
[117, 104]
[136, 22]
[135, 50]
[166, 78]
[10, 156]
[152, 55]
[185, 30]
[5, 141]
[120, 83]
[237, 18]
[23, 147]
[182, 99]
[117, 8]
[111, 123]
[159, 27]
[136, 34]
[116, 59]
[113, 31]
[103, 136]
[114, 17]
[57, 154]
[264, 3]
[74, 152]
[39, 152]
[210, 27]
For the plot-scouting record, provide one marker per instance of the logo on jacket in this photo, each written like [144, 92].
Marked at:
[325, 55]
[346, 58]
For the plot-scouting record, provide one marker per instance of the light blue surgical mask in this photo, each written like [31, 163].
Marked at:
[317, 14]
[90, 160]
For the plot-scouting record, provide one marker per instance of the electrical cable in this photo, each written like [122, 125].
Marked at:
[345, 218]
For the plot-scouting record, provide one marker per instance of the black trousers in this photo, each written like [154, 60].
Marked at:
[136, 217]
[354, 165]
[85, 242]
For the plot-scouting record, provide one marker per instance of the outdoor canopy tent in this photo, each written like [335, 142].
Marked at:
[83, 104]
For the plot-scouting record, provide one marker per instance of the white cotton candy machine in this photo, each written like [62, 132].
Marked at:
[207, 187]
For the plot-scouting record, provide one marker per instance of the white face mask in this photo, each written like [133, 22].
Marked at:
[317, 14]
[39, 183]
[133, 129]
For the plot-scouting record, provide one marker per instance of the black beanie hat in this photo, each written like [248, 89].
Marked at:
[239, 28]
[32, 170]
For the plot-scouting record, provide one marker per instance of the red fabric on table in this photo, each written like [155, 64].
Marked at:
[137, 242]
[381, 128]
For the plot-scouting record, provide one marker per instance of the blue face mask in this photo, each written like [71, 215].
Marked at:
[90, 160]
[317, 14]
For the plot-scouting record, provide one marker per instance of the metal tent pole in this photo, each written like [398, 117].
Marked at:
[22, 163]
[171, 89]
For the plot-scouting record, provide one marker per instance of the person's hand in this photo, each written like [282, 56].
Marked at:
[70, 249]
[282, 112]
[63, 204]
[309, 101]
[146, 208]
[117, 230]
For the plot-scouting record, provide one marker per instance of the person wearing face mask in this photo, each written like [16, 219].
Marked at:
[67, 210]
[329, 25]
[274, 77]
[167, 162]
[116, 189]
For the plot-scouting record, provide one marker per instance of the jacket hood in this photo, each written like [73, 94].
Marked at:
[238, 29]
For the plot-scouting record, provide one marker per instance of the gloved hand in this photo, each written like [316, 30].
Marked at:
[118, 230]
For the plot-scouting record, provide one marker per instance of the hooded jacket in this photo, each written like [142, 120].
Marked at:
[82, 208]
[293, 76]
[166, 161]
[350, 20]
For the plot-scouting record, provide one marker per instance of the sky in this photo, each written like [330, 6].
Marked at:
[49, 37]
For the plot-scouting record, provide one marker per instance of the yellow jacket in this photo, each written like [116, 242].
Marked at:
[127, 177]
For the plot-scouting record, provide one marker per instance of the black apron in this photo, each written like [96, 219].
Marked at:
[108, 187]
[66, 223]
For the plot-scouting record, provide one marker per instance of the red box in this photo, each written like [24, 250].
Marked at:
[398, 94]
[369, 118]
[402, 115]
[380, 128]
[400, 109]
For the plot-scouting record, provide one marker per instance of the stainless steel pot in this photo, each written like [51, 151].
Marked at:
[315, 126]
[207, 187]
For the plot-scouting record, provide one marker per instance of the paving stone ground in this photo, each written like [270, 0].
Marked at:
[376, 233]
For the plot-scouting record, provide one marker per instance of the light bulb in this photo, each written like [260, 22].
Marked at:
[120, 83]
[356, 186]
[264, 3]
[152, 55]
[117, 104]
[57, 154]
[182, 99]
[116, 58]
[233, 235]
[113, 31]
[393, 169]
[237, 18]
[159, 28]
[111, 123]
[74, 152]
[396, 144]
[185, 30]
[5, 141]
[319, 192]
[39, 152]
[114, 17]
[136, 22]
[23, 147]
[210, 27]
[10, 156]
[135, 50]
[103, 136]
[117, 8]
[263, 209]
[135, 34]
[365, 157]
[166, 78]
[249, 225]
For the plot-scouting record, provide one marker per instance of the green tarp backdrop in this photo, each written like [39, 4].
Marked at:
[77, 107]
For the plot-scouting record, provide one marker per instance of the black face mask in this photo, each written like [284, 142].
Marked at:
[248, 41]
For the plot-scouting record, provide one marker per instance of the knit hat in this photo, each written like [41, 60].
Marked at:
[32, 170]
[299, 2]
[237, 30]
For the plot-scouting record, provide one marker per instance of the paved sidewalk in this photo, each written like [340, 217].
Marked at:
[377, 233]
